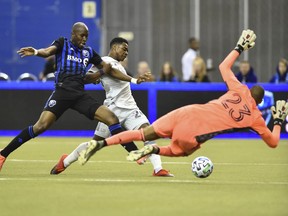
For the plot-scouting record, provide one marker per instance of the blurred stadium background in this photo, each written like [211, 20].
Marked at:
[249, 178]
[157, 31]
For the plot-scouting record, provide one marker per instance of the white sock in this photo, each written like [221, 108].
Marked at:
[156, 162]
[71, 158]
[155, 159]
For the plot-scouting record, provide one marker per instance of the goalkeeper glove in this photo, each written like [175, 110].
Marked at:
[246, 41]
[280, 112]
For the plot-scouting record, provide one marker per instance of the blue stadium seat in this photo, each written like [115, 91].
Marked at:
[27, 77]
[4, 77]
[49, 77]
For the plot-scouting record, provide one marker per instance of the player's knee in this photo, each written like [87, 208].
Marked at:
[40, 127]
[104, 115]
[112, 120]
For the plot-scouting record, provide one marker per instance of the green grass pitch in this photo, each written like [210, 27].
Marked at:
[249, 178]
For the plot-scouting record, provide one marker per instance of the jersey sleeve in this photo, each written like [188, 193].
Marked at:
[271, 138]
[95, 59]
[226, 72]
[260, 127]
[93, 69]
[59, 43]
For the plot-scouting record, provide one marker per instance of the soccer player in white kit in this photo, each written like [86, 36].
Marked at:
[120, 101]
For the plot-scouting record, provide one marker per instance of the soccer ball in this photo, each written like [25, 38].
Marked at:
[202, 167]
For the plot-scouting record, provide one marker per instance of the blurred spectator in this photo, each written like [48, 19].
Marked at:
[199, 71]
[49, 67]
[281, 74]
[167, 73]
[142, 68]
[246, 73]
[188, 58]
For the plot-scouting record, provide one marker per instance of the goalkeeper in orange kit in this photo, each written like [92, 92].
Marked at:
[190, 126]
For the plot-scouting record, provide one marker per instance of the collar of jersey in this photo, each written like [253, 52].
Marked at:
[75, 47]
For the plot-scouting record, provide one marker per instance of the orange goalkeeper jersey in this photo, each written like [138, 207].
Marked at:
[234, 110]
[194, 124]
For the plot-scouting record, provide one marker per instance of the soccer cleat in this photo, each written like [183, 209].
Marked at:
[163, 173]
[2, 160]
[142, 160]
[136, 155]
[59, 167]
[93, 147]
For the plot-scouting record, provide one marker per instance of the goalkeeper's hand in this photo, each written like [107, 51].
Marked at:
[279, 112]
[246, 41]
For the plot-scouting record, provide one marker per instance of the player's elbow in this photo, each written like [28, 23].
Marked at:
[222, 66]
[272, 144]
[270, 139]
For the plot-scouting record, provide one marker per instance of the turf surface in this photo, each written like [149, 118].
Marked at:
[248, 179]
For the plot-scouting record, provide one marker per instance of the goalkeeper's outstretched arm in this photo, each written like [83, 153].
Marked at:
[279, 114]
[225, 67]
[245, 42]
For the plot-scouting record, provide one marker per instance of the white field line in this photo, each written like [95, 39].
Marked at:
[209, 182]
[173, 162]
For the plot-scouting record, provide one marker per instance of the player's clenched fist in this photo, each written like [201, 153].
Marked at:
[246, 41]
[143, 78]
[280, 111]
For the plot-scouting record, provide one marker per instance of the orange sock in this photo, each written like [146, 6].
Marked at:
[125, 137]
[166, 151]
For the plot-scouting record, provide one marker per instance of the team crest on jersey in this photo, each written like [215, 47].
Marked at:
[52, 103]
[85, 53]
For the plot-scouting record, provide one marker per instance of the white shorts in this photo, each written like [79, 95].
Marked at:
[130, 119]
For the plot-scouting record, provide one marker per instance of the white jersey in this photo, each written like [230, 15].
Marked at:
[187, 63]
[117, 91]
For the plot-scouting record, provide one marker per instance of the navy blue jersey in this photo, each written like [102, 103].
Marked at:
[71, 63]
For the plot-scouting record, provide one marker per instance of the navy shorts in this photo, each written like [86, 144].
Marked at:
[60, 100]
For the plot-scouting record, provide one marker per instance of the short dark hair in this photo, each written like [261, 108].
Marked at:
[192, 39]
[257, 92]
[118, 40]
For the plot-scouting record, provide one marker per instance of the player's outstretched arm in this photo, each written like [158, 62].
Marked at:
[279, 114]
[30, 51]
[119, 75]
[245, 42]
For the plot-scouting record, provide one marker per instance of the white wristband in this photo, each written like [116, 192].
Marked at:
[35, 52]
[133, 80]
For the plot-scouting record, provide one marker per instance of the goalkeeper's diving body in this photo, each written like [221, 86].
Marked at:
[190, 126]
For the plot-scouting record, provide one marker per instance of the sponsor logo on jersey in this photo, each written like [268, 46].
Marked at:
[85, 53]
[52, 103]
[74, 58]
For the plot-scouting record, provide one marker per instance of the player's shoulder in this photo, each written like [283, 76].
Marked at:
[258, 120]
[110, 60]
[59, 43]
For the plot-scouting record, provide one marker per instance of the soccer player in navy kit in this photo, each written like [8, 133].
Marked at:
[72, 58]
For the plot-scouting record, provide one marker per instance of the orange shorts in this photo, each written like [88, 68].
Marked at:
[174, 126]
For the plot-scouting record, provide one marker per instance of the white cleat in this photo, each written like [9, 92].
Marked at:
[136, 155]
[93, 147]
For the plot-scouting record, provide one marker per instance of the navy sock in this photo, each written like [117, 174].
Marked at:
[20, 139]
[115, 129]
